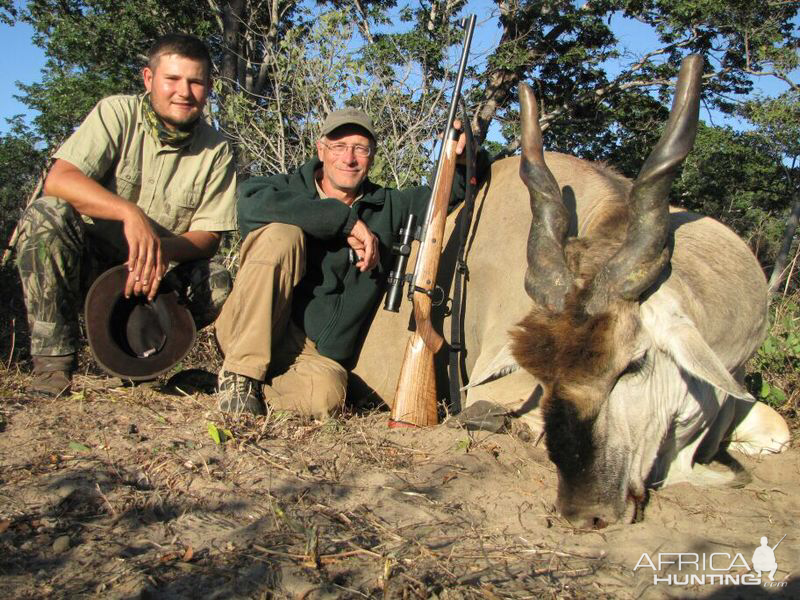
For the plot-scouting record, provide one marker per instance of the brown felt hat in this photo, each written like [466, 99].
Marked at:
[132, 338]
[349, 116]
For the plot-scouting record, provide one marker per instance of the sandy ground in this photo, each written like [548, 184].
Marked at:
[125, 493]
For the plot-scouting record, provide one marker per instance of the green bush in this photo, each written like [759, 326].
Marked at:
[21, 161]
[774, 377]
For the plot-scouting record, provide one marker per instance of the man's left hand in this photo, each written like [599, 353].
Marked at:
[461, 144]
[192, 245]
[365, 243]
[148, 285]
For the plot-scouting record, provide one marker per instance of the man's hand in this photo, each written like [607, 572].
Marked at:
[192, 245]
[365, 243]
[461, 144]
[148, 255]
[146, 261]
[462, 137]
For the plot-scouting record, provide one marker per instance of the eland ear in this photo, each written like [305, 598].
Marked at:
[501, 365]
[692, 354]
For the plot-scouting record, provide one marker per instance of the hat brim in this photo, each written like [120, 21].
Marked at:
[366, 130]
[106, 294]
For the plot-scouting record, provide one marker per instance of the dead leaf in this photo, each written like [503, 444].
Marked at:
[4, 524]
[449, 476]
[488, 592]
[188, 555]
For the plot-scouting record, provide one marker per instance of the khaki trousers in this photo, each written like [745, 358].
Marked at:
[257, 336]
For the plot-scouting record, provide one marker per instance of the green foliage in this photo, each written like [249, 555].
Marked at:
[778, 120]
[776, 375]
[7, 12]
[733, 177]
[219, 435]
[623, 135]
[21, 162]
[778, 125]
[740, 38]
[63, 100]
[614, 114]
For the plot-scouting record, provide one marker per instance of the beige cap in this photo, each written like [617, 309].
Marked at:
[349, 116]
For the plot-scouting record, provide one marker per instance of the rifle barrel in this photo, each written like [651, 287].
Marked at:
[451, 115]
[779, 542]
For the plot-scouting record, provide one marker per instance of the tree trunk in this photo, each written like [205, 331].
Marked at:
[781, 261]
[516, 25]
[232, 13]
[496, 94]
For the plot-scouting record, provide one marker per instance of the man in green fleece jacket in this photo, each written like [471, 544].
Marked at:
[299, 301]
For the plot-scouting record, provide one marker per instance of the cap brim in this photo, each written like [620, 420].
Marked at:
[328, 130]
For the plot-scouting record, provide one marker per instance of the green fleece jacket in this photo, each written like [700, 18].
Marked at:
[334, 298]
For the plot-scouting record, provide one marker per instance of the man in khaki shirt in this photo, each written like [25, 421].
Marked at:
[143, 181]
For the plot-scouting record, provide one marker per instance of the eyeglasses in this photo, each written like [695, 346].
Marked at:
[341, 148]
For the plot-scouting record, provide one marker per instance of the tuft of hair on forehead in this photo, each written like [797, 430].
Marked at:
[585, 257]
[566, 350]
[182, 44]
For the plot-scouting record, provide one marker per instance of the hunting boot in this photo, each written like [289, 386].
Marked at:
[52, 375]
[237, 394]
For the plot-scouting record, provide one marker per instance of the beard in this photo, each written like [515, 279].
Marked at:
[182, 124]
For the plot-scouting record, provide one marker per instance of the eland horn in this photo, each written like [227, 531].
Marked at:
[547, 279]
[644, 253]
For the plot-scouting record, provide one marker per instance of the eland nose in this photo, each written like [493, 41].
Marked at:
[599, 523]
[592, 520]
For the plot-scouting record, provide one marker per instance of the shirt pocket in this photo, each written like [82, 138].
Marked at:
[182, 203]
[128, 181]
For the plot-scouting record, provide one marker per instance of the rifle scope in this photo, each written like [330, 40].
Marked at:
[397, 277]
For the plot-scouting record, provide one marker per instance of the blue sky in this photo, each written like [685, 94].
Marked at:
[21, 61]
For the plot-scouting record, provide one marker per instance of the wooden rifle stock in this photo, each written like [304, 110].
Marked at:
[415, 400]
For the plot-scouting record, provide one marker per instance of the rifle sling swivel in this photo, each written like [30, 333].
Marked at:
[432, 294]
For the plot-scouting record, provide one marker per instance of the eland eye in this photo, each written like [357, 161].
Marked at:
[635, 366]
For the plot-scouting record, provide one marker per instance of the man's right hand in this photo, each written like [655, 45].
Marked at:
[146, 262]
[366, 245]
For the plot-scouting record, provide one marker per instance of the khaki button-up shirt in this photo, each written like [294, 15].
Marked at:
[186, 188]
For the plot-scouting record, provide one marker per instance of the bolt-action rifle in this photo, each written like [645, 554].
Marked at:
[415, 399]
